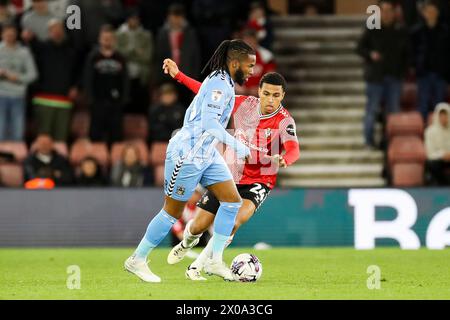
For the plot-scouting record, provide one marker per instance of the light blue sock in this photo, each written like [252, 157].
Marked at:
[223, 226]
[157, 230]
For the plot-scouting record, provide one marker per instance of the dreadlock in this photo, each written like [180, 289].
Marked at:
[228, 50]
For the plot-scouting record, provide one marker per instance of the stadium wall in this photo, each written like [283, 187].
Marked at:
[363, 218]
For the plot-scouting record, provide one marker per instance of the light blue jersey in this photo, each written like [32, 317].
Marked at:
[192, 156]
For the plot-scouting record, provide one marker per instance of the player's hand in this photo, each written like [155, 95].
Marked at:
[375, 56]
[278, 160]
[170, 67]
[282, 163]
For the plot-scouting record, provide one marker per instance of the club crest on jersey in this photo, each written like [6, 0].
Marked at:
[216, 95]
[268, 132]
[181, 191]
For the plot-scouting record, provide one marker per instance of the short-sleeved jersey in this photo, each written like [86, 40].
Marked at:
[214, 101]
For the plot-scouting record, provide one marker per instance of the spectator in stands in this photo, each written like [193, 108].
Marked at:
[106, 86]
[56, 89]
[90, 174]
[259, 21]
[96, 14]
[6, 14]
[431, 43]
[128, 172]
[36, 20]
[178, 40]
[167, 115]
[136, 45]
[411, 10]
[437, 144]
[17, 70]
[212, 20]
[386, 53]
[265, 63]
[153, 13]
[46, 163]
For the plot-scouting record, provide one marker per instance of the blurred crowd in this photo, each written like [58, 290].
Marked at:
[411, 50]
[102, 82]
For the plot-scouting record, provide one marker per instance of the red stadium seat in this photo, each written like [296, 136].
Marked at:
[60, 147]
[84, 148]
[117, 149]
[406, 150]
[80, 125]
[158, 153]
[404, 124]
[409, 96]
[158, 172]
[11, 175]
[408, 175]
[135, 127]
[18, 149]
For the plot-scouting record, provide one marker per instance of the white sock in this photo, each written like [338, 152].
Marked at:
[204, 255]
[188, 237]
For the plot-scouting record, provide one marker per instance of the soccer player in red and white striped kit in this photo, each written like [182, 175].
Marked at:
[267, 128]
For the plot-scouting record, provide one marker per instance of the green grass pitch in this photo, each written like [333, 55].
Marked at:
[288, 273]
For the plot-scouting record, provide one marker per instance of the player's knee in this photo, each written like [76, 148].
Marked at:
[234, 198]
[174, 210]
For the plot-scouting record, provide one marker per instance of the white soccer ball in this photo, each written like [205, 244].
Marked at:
[246, 267]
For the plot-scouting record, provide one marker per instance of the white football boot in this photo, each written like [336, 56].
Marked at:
[219, 269]
[193, 273]
[179, 252]
[140, 268]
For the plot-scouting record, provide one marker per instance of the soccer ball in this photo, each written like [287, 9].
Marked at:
[246, 268]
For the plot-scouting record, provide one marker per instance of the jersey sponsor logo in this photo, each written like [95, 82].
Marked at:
[213, 106]
[216, 95]
[291, 130]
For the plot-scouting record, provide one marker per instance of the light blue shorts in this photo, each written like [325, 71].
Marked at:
[181, 176]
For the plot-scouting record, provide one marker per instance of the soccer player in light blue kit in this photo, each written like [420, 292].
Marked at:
[192, 158]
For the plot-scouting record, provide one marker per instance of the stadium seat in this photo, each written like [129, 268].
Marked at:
[159, 175]
[135, 127]
[80, 125]
[407, 175]
[158, 153]
[117, 149]
[83, 148]
[18, 149]
[404, 124]
[11, 175]
[406, 150]
[60, 147]
[409, 96]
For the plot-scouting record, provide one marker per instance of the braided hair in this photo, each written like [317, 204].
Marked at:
[227, 50]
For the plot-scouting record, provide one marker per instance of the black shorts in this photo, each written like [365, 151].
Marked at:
[256, 193]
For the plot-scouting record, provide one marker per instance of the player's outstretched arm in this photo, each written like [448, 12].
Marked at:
[171, 68]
